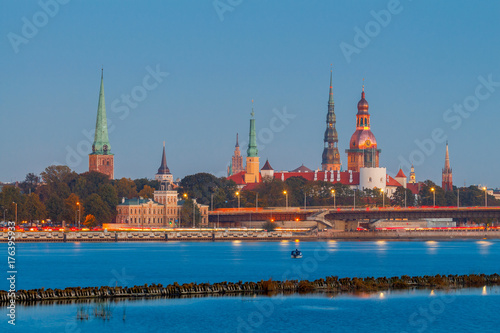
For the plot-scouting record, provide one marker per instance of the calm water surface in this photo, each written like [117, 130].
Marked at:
[53, 265]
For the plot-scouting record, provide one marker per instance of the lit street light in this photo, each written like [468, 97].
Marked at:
[485, 196]
[79, 214]
[334, 203]
[286, 195]
[238, 195]
[383, 197]
[434, 195]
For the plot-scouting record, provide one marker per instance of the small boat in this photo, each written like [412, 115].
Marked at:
[296, 254]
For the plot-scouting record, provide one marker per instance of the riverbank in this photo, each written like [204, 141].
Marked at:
[249, 235]
[328, 284]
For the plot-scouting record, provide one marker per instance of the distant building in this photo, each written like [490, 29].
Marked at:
[447, 183]
[162, 212]
[101, 159]
[252, 172]
[237, 160]
[331, 158]
[412, 176]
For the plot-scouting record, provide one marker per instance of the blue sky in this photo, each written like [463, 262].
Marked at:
[417, 64]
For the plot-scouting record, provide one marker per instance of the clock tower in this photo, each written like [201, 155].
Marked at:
[363, 151]
[101, 159]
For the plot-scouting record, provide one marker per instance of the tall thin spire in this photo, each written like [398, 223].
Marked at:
[447, 159]
[252, 142]
[237, 143]
[163, 169]
[101, 140]
[330, 157]
[447, 183]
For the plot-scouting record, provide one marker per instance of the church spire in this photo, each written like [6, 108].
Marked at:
[447, 183]
[163, 169]
[331, 157]
[237, 143]
[447, 159]
[252, 138]
[101, 140]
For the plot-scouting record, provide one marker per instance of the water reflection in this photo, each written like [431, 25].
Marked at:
[432, 247]
[484, 247]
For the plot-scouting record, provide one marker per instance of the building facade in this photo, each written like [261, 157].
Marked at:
[101, 159]
[237, 160]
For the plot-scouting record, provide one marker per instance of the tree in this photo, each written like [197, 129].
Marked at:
[56, 178]
[125, 188]
[141, 182]
[55, 208]
[93, 180]
[398, 197]
[90, 221]
[203, 185]
[30, 183]
[8, 196]
[187, 214]
[95, 206]
[147, 192]
[34, 209]
[73, 210]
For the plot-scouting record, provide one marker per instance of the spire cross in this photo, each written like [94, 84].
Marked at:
[253, 113]
[363, 84]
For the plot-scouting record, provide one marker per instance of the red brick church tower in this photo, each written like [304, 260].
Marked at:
[447, 183]
[101, 159]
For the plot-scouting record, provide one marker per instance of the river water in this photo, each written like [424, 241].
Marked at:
[60, 265]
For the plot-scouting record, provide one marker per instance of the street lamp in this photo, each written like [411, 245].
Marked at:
[305, 200]
[334, 203]
[434, 195]
[286, 195]
[383, 197]
[16, 210]
[79, 213]
[458, 197]
[238, 195]
[485, 196]
[354, 198]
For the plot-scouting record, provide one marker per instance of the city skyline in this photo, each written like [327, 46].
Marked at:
[198, 101]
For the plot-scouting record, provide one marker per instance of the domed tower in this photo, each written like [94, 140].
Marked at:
[330, 157]
[363, 151]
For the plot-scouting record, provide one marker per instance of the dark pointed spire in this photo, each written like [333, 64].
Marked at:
[163, 169]
[252, 137]
[237, 143]
[330, 99]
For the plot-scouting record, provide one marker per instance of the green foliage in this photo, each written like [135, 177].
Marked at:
[125, 188]
[147, 192]
[9, 195]
[94, 205]
[187, 214]
[202, 185]
[90, 221]
[33, 208]
[398, 198]
[141, 182]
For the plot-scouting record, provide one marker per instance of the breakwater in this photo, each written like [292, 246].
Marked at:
[143, 236]
[328, 284]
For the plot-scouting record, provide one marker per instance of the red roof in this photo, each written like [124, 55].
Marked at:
[414, 188]
[267, 166]
[250, 187]
[302, 168]
[392, 182]
[238, 178]
[400, 174]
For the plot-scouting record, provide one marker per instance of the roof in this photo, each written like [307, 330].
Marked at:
[267, 166]
[238, 178]
[392, 182]
[302, 168]
[400, 174]
[137, 202]
[414, 188]
[250, 187]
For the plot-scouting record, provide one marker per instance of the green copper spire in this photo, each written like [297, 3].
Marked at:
[101, 144]
[252, 142]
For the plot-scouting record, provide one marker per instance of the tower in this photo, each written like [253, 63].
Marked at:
[412, 175]
[101, 159]
[252, 167]
[331, 157]
[237, 160]
[447, 183]
[163, 175]
[363, 151]
[267, 171]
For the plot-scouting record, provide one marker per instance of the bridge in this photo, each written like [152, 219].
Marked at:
[326, 215]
